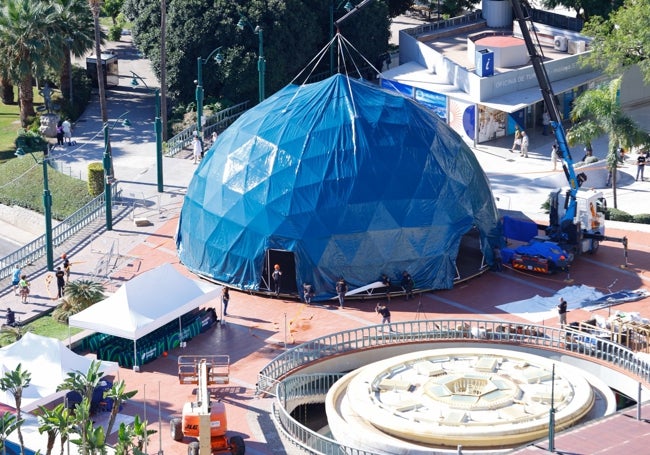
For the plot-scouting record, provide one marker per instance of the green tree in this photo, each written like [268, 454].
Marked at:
[621, 41]
[79, 295]
[119, 395]
[597, 112]
[75, 26]
[293, 32]
[15, 382]
[55, 422]
[29, 45]
[586, 9]
[112, 9]
[397, 7]
[8, 424]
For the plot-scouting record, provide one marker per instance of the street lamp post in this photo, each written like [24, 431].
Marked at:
[47, 207]
[108, 171]
[157, 127]
[261, 61]
[348, 7]
[199, 89]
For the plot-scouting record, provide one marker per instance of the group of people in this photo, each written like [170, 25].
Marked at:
[64, 132]
[521, 142]
[197, 146]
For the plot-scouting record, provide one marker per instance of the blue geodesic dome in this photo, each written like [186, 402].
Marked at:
[336, 178]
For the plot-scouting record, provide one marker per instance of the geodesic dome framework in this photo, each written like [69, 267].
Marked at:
[336, 178]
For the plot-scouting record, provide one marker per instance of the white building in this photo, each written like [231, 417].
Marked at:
[474, 71]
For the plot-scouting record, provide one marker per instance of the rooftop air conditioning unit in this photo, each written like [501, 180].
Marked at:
[560, 43]
[577, 47]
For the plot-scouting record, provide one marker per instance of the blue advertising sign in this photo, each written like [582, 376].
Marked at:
[432, 100]
[398, 87]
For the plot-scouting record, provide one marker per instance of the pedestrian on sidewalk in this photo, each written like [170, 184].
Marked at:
[66, 266]
[67, 131]
[385, 314]
[196, 147]
[341, 289]
[225, 299]
[15, 278]
[59, 133]
[524, 145]
[640, 164]
[307, 292]
[60, 282]
[23, 285]
[554, 155]
[277, 279]
[562, 311]
[517, 142]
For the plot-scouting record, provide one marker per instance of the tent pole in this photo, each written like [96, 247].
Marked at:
[135, 356]
[180, 331]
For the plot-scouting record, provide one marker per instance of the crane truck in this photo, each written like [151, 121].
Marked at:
[204, 418]
[577, 215]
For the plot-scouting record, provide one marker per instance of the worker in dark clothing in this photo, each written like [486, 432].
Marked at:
[11, 318]
[60, 281]
[407, 284]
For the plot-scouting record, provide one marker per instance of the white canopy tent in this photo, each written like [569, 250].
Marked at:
[146, 303]
[48, 361]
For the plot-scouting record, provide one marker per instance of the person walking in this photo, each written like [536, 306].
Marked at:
[517, 141]
[307, 292]
[562, 311]
[23, 285]
[60, 281]
[15, 278]
[196, 148]
[59, 133]
[341, 289]
[554, 155]
[66, 267]
[277, 278]
[524, 145]
[67, 131]
[640, 164]
[385, 314]
[225, 298]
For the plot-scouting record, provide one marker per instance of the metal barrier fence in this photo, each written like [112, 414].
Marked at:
[449, 23]
[301, 389]
[36, 249]
[216, 122]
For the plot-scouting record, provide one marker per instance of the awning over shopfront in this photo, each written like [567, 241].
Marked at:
[515, 101]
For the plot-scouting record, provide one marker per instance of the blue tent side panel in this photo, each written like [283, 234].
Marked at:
[352, 179]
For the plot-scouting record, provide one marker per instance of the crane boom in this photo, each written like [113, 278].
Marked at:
[575, 181]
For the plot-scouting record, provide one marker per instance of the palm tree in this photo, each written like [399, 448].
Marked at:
[597, 112]
[79, 295]
[29, 45]
[84, 383]
[118, 394]
[55, 422]
[8, 424]
[76, 26]
[14, 382]
[95, 7]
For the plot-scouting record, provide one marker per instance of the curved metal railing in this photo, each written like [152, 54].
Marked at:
[293, 390]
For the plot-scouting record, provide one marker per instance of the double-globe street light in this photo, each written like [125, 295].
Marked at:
[261, 61]
[199, 89]
[157, 127]
[47, 206]
[108, 170]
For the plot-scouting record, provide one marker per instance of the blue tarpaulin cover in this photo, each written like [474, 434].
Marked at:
[350, 178]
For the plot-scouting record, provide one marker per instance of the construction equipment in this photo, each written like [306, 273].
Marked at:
[204, 418]
[577, 216]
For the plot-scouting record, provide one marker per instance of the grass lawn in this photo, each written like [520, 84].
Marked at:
[21, 181]
[44, 326]
[10, 124]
